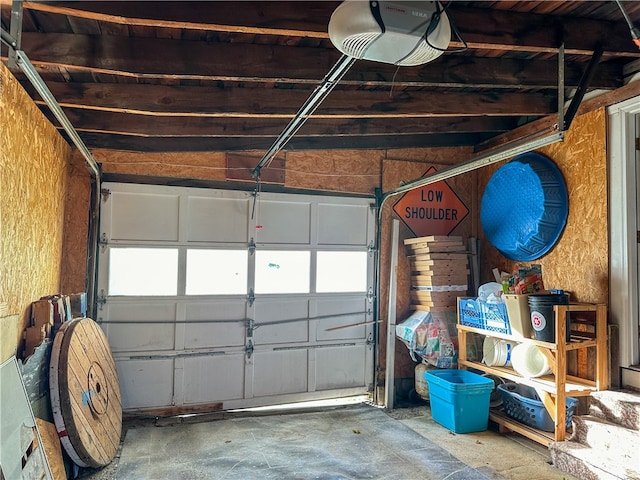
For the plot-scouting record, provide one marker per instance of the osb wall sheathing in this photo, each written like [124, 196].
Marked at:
[408, 165]
[353, 171]
[196, 165]
[347, 171]
[33, 184]
[578, 263]
[76, 227]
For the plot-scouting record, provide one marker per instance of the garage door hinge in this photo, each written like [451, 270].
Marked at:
[249, 349]
[102, 299]
[371, 248]
[370, 295]
[103, 242]
[248, 323]
[251, 297]
[105, 194]
[252, 247]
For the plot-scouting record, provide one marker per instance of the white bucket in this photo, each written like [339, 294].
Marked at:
[529, 361]
[496, 353]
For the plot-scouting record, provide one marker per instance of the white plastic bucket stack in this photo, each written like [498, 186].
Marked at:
[529, 361]
[496, 353]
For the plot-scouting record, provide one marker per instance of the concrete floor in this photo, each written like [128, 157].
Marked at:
[352, 442]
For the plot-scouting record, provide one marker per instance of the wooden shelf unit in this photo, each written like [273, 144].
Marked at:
[554, 388]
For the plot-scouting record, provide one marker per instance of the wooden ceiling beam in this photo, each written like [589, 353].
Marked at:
[186, 101]
[136, 57]
[146, 126]
[480, 27]
[308, 19]
[298, 142]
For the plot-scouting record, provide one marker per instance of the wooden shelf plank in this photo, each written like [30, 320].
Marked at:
[545, 438]
[577, 387]
[574, 345]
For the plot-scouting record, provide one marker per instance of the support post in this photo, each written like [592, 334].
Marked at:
[389, 378]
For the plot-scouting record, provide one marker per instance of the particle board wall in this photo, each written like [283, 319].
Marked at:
[195, 165]
[353, 171]
[347, 171]
[33, 185]
[76, 227]
[579, 261]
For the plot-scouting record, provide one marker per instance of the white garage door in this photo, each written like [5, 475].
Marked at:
[213, 299]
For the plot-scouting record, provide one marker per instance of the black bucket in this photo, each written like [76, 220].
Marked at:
[542, 317]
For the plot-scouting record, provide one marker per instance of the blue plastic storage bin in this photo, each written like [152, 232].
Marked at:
[523, 404]
[459, 399]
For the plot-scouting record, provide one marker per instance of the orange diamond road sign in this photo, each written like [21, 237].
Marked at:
[433, 209]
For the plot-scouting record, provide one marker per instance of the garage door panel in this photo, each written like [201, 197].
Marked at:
[184, 286]
[348, 311]
[280, 372]
[138, 216]
[281, 311]
[215, 334]
[284, 222]
[134, 326]
[342, 224]
[145, 383]
[340, 367]
[213, 378]
[325, 330]
[140, 338]
[217, 219]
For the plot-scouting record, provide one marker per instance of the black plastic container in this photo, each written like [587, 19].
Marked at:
[542, 317]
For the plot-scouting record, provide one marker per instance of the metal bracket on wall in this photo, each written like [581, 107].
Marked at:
[15, 30]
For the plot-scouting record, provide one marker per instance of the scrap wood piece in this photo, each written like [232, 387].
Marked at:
[85, 393]
[52, 448]
[433, 238]
[33, 337]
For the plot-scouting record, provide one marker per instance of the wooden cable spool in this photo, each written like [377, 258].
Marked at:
[85, 393]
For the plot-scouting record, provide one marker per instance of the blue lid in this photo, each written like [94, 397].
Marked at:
[524, 207]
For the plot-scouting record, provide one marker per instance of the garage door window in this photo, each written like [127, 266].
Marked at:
[143, 271]
[341, 272]
[216, 272]
[283, 271]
